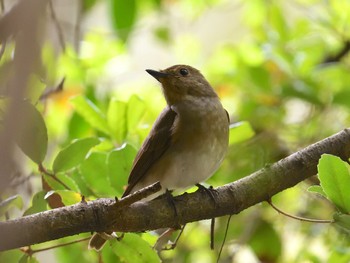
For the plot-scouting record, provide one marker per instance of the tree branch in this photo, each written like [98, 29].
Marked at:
[106, 214]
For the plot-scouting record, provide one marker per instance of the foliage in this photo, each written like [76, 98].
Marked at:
[279, 75]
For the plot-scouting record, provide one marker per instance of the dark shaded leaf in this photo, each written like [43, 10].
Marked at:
[266, 242]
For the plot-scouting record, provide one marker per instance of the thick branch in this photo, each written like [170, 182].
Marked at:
[106, 214]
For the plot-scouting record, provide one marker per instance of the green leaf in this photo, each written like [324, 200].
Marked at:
[278, 21]
[342, 221]
[28, 259]
[119, 163]
[123, 16]
[95, 173]
[66, 179]
[80, 182]
[88, 4]
[91, 113]
[162, 33]
[132, 248]
[116, 118]
[317, 189]
[240, 131]
[13, 201]
[73, 154]
[78, 127]
[39, 204]
[53, 184]
[334, 176]
[342, 98]
[302, 90]
[108, 255]
[339, 256]
[13, 255]
[261, 77]
[32, 134]
[265, 242]
[67, 197]
[136, 109]
[76, 252]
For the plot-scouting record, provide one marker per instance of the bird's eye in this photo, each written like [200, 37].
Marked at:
[184, 72]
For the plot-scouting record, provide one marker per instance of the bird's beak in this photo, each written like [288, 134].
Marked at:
[157, 74]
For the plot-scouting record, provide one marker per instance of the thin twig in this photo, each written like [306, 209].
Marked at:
[58, 27]
[298, 217]
[225, 236]
[43, 170]
[32, 251]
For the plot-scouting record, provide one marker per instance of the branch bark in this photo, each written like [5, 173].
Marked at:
[107, 214]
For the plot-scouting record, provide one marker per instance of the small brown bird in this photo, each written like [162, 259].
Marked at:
[189, 139]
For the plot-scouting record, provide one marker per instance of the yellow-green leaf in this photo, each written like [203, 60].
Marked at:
[240, 131]
[91, 113]
[334, 176]
[73, 154]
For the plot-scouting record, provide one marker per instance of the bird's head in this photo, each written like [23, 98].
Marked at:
[181, 82]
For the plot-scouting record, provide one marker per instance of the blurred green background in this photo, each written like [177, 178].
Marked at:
[281, 69]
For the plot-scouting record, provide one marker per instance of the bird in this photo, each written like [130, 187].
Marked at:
[187, 142]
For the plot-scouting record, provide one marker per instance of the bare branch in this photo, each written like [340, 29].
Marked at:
[103, 215]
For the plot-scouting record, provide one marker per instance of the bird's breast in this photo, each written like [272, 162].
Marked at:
[198, 146]
[200, 141]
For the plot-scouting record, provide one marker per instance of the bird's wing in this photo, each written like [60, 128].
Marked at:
[157, 142]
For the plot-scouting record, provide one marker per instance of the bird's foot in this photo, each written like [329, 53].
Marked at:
[171, 201]
[209, 191]
[163, 241]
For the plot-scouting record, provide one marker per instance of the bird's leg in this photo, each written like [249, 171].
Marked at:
[173, 244]
[171, 201]
[163, 241]
[210, 191]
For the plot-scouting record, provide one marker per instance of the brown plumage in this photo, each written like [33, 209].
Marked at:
[188, 141]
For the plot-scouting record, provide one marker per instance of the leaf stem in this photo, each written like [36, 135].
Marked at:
[43, 170]
[298, 217]
[30, 251]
